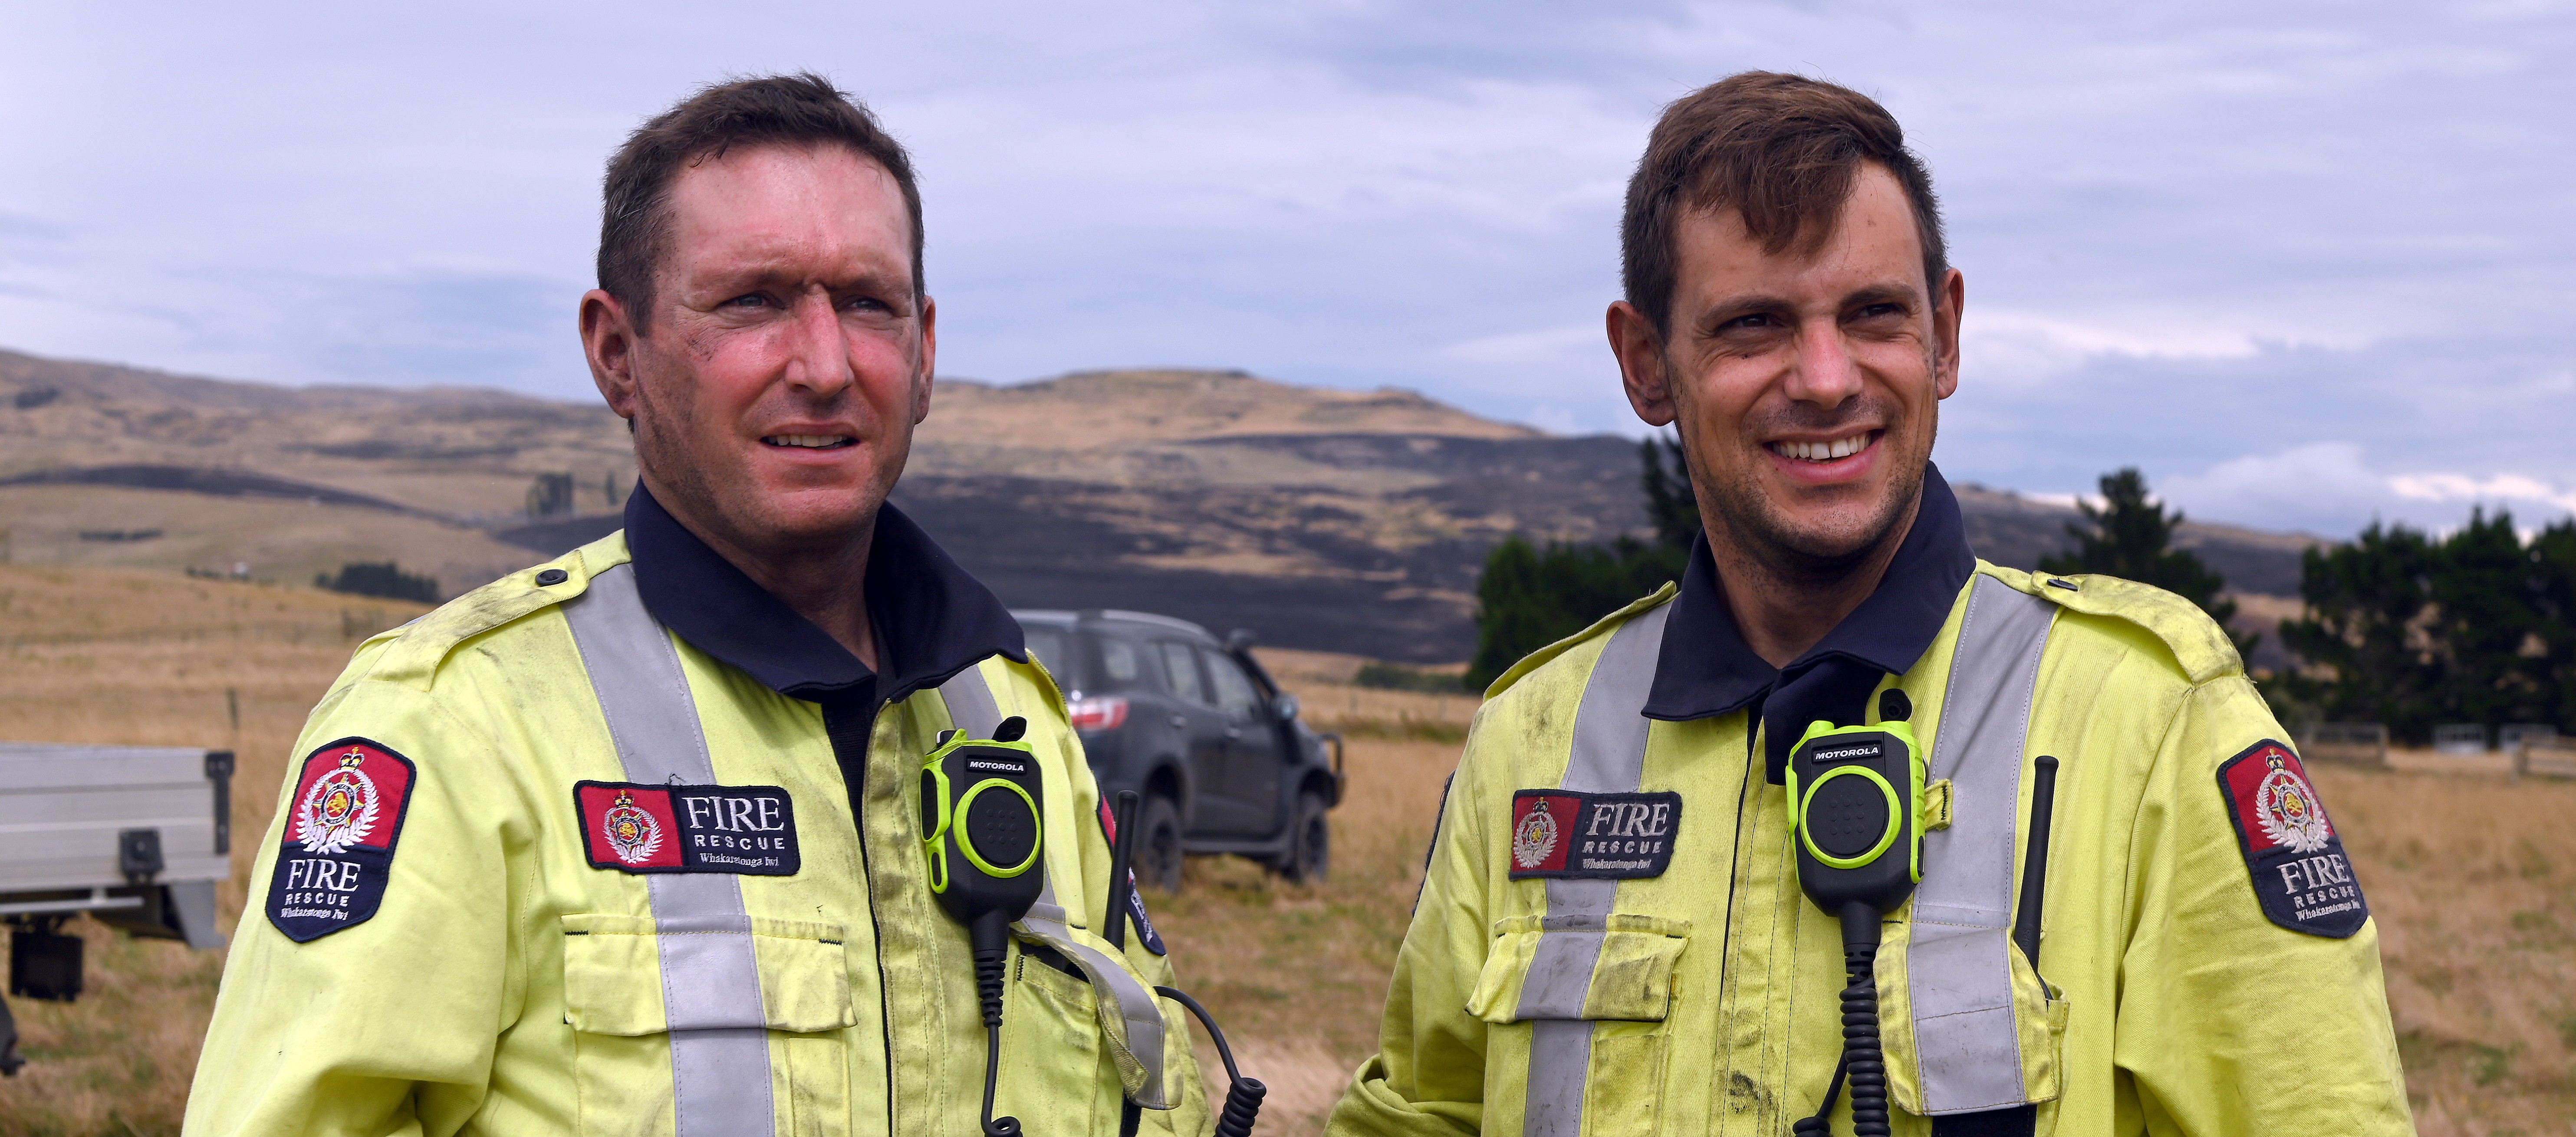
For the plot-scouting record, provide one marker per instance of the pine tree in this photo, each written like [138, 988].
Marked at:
[1530, 597]
[2483, 616]
[2553, 602]
[1671, 503]
[2131, 537]
[2367, 628]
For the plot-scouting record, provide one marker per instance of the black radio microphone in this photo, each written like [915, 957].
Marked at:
[1855, 807]
[983, 824]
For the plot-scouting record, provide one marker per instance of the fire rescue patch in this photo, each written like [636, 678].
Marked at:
[338, 848]
[637, 828]
[2301, 875]
[1604, 836]
[1135, 896]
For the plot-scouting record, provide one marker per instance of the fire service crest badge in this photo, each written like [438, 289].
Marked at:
[340, 809]
[338, 846]
[631, 832]
[2287, 809]
[1535, 837]
[2300, 874]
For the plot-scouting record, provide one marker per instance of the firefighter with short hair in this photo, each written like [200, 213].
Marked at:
[630, 842]
[1611, 937]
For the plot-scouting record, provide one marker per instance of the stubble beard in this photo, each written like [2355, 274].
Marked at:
[1804, 558]
[1800, 557]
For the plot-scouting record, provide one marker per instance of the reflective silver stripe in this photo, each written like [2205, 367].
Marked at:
[1137, 1010]
[974, 708]
[1608, 756]
[971, 705]
[710, 976]
[1959, 977]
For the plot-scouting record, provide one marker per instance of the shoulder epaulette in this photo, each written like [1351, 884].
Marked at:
[2199, 646]
[413, 652]
[1600, 628]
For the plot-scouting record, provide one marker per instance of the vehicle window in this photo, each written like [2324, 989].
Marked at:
[1054, 647]
[1234, 690]
[1120, 660]
[1182, 671]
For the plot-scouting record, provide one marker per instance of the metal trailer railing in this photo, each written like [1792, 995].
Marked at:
[135, 836]
[2349, 743]
[2545, 756]
[2462, 738]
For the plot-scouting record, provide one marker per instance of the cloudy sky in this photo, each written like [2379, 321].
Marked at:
[2306, 264]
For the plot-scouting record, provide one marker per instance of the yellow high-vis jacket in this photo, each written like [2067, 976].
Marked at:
[1612, 941]
[547, 867]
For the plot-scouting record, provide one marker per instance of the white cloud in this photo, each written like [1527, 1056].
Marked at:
[2329, 489]
[2506, 489]
[2014, 348]
[2192, 231]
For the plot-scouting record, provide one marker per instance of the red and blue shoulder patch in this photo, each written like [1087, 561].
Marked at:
[338, 847]
[2301, 874]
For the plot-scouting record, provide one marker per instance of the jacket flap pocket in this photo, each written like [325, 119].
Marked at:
[1957, 1056]
[724, 973]
[804, 975]
[1580, 967]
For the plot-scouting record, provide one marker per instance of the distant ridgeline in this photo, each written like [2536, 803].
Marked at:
[1060, 543]
[1354, 521]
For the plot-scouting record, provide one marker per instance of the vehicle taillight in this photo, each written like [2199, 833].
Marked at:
[1098, 714]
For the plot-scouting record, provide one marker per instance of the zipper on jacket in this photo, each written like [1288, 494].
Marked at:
[849, 723]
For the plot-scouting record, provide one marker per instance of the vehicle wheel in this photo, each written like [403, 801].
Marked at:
[1158, 845]
[1310, 845]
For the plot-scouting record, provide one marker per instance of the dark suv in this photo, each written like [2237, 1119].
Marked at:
[1200, 730]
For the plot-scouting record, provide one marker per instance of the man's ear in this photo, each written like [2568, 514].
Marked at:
[608, 342]
[1640, 350]
[929, 360]
[1945, 334]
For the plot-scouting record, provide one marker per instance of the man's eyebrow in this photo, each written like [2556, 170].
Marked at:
[1733, 307]
[774, 273]
[1889, 293]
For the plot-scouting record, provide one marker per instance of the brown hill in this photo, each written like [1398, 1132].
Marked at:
[1331, 520]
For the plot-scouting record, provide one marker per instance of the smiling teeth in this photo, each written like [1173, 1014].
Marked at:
[1822, 451]
[815, 441]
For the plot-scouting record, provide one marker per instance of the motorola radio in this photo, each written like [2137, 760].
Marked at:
[983, 825]
[1855, 797]
[982, 828]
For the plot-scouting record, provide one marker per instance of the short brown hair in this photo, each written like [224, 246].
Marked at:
[1783, 151]
[802, 110]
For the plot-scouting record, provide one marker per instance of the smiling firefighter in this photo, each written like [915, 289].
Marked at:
[1852, 832]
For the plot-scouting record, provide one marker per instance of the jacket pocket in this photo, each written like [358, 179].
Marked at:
[652, 1004]
[1618, 967]
[1602, 983]
[1054, 1077]
[2038, 1024]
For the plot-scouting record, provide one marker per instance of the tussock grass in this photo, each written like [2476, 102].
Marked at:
[103, 655]
[2473, 881]
[2473, 877]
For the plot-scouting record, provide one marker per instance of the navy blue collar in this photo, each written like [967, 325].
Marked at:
[1704, 668]
[932, 619]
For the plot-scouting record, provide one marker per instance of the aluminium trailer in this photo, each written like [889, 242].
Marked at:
[135, 836]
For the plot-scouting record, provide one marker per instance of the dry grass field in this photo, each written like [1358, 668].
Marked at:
[108, 655]
[2473, 876]
[272, 540]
